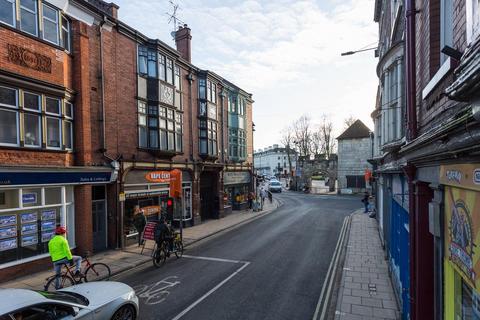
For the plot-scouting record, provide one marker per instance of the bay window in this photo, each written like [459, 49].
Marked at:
[7, 12]
[28, 16]
[66, 40]
[211, 92]
[152, 63]
[202, 90]
[50, 24]
[208, 137]
[169, 71]
[142, 125]
[21, 125]
[161, 67]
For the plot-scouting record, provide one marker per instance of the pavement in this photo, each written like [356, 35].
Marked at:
[123, 260]
[366, 290]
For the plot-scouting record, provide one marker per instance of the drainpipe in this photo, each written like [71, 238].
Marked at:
[411, 70]
[190, 120]
[411, 93]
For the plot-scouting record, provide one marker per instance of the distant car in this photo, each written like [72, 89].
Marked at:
[94, 300]
[275, 186]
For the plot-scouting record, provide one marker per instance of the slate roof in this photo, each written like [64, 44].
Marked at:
[357, 130]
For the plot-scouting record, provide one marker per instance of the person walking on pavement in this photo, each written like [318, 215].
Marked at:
[250, 200]
[365, 201]
[263, 195]
[139, 221]
[60, 254]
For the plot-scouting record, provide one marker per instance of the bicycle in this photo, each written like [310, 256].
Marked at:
[93, 272]
[163, 251]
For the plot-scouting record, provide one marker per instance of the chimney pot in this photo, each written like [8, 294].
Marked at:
[183, 41]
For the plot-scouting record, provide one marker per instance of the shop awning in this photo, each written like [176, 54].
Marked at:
[21, 176]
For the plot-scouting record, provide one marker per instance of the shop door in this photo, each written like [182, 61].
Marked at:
[208, 192]
[99, 218]
[401, 254]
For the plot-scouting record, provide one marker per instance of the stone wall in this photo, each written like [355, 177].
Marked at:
[352, 158]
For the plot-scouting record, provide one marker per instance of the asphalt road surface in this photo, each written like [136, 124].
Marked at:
[271, 268]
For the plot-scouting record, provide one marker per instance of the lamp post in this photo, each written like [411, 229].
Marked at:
[349, 53]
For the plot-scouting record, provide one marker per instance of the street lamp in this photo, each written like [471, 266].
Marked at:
[349, 53]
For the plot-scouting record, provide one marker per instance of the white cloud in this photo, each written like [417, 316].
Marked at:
[286, 52]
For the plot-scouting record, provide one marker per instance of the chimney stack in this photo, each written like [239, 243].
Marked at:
[183, 41]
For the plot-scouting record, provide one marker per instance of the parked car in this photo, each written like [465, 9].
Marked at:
[275, 186]
[94, 300]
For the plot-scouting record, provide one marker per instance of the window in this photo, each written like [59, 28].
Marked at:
[54, 133]
[28, 16]
[52, 106]
[8, 127]
[177, 78]
[66, 40]
[169, 71]
[209, 90]
[50, 24]
[68, 110]
[142, 125]
[161, 67]
[142, 60]
[355, 182]
[68, 137]
[202, 91]
[152, 63]
[446, 26]
[178, 132]
[7, 12]
[473, 19]
[31, 101]
[32, 128]
[208, 137]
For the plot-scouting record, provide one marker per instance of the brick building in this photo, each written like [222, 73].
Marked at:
[115, 112]
[439, 159]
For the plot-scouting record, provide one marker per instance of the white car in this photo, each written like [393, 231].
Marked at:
[275, 186]
[95, 300]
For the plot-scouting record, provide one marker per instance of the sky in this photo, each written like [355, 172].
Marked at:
[286, 53]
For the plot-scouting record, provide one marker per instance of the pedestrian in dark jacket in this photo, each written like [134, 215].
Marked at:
[365, 198]
[139, 221]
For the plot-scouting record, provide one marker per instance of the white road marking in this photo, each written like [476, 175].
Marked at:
[190, 307]
[156, 293]
[213, 259]
[329, 278]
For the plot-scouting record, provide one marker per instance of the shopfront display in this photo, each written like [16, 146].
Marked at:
[236, 189]
[148, 190]
[462, 241]
[28, 218]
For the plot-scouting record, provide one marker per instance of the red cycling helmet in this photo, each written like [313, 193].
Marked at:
[60, 230]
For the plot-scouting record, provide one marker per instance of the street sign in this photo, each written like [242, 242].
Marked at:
[121, 196]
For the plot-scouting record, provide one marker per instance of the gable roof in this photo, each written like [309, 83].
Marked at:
[357, 130]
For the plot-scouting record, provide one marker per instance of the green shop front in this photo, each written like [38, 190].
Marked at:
[236, 188]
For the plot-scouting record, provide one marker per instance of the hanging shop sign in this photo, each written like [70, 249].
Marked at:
[236, 177]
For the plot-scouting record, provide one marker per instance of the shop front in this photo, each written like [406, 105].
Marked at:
[462, 241]
[236, 189]
[33, 202]
[149, 190]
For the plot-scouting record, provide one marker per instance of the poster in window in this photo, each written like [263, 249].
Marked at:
[29, 217]
[49, 215]
[29, 240]
[29, 228]
[48, 225]
[10, 220]
[8, 232]
[29, 198]
[47, 235]
[8, 244]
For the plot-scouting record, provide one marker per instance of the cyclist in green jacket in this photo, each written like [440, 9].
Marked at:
[60, 253]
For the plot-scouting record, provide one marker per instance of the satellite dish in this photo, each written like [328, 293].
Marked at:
[173, 33]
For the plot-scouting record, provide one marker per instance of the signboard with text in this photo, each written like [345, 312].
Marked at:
[236, 177]
[149, 231]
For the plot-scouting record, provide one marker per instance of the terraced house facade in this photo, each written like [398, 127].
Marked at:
[92, 113]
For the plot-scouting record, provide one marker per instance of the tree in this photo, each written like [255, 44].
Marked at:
[349, 121]
[327, 141]
[302, 135]
[287, 140]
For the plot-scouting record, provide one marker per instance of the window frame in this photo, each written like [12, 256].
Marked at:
[142, 54]
[152, 63]
[17, 119]
[169, 70]
[60, 128]
[144, 126]
[59, 106]
[39, 131]
[68, 30]
[71, 135]
[39, 100]
[14, 14]
[57, 22]
[36, 15]
[472, 24]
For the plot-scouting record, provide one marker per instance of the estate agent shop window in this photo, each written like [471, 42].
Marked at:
[28, 217]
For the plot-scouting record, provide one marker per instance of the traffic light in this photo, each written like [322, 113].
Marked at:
[170, 208]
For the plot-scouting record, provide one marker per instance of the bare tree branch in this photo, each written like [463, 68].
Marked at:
[303, 135]
[349, 121]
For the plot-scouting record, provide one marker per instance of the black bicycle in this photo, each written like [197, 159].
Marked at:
[162, 251]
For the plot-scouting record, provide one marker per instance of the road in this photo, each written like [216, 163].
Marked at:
[272, 268]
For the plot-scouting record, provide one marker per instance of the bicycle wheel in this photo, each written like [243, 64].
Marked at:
[65, 281]
[159, 256]
[97, 271]
[178, 246]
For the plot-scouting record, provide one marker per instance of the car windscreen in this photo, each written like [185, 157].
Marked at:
[65, 296]
[275, 184]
